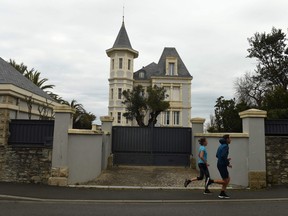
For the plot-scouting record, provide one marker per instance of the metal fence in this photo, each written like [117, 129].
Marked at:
[277, 127]
[31, 132]
[151, 146]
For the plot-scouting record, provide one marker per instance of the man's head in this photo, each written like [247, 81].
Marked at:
[227, 138]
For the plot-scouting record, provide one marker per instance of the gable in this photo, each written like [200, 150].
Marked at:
[159, 69]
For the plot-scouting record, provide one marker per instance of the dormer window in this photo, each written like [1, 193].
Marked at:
[141, 74]
[171, 66]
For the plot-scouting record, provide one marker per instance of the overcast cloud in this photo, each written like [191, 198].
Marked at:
[66, 41]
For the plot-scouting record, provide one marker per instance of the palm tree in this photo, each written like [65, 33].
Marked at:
[32, 75]
[81, 119]
[75, 105]
[21, 68]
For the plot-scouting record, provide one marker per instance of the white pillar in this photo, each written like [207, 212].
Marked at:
[63, 121]
[197, 127]
[253, 124]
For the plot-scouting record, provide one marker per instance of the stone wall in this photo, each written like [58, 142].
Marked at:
[23, 164]
[4, 124]
[277, 160]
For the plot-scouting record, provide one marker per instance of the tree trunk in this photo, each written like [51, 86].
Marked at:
[153, 118]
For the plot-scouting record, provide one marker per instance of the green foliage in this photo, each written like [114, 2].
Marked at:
[32, 75]
[227, 117]
[276, 103]
[81, 119]
[271, 53]
[138, 104]
[156, 103]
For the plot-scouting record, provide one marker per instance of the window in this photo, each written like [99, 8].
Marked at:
[119, 117]
[111, 114]
[142, 93]
[120, 63]
[129, 64]
[112, 93]
[112, 64]
[141, 74]
[171, 69]
[167, 118]
[176, 117]
[171, 66]
[119, 93]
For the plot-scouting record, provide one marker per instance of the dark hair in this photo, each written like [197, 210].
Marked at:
[202, 140]
[226, 136]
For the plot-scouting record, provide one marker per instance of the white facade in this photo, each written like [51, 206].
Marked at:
[170, 73]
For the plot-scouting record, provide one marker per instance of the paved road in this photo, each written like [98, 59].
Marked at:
[44, 193]
[32, 208]
[28, 199]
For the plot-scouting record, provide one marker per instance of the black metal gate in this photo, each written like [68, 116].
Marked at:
[158, 146]
[24, 132]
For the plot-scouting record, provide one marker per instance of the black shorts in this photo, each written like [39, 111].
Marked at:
[223, 171]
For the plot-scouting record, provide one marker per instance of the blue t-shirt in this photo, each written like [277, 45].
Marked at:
[202, 148]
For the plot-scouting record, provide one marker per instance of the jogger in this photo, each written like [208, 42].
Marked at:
[203, 166]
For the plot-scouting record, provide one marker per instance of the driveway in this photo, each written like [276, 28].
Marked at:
[147, 176]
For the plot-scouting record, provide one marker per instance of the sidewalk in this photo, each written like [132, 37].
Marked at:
[148, 177]
[137, 184]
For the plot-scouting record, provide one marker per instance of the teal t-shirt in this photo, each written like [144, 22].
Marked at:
[202, 148]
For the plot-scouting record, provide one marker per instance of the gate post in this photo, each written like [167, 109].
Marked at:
[253, 124]
[63, 122]
[107, 158]
[197, 127]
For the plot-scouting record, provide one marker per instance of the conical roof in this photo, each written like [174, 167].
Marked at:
[122, 42]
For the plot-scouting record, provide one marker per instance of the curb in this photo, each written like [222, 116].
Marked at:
[30, 199]
[148, 187]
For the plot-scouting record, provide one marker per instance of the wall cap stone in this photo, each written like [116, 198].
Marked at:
[253, 113]
[84, 131]
[197, 120]
[106, 119]
[235, 135]
[64, 109]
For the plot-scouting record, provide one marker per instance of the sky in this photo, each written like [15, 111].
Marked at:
[66, 41]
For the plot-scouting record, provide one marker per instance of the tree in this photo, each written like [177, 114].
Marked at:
[138, 104]
[156, 103]
[227, 117]
[19, 67]
[271, 53]
[81, 119]
[266, 88]
[250, 90]
[276, 103]
[32, 75]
